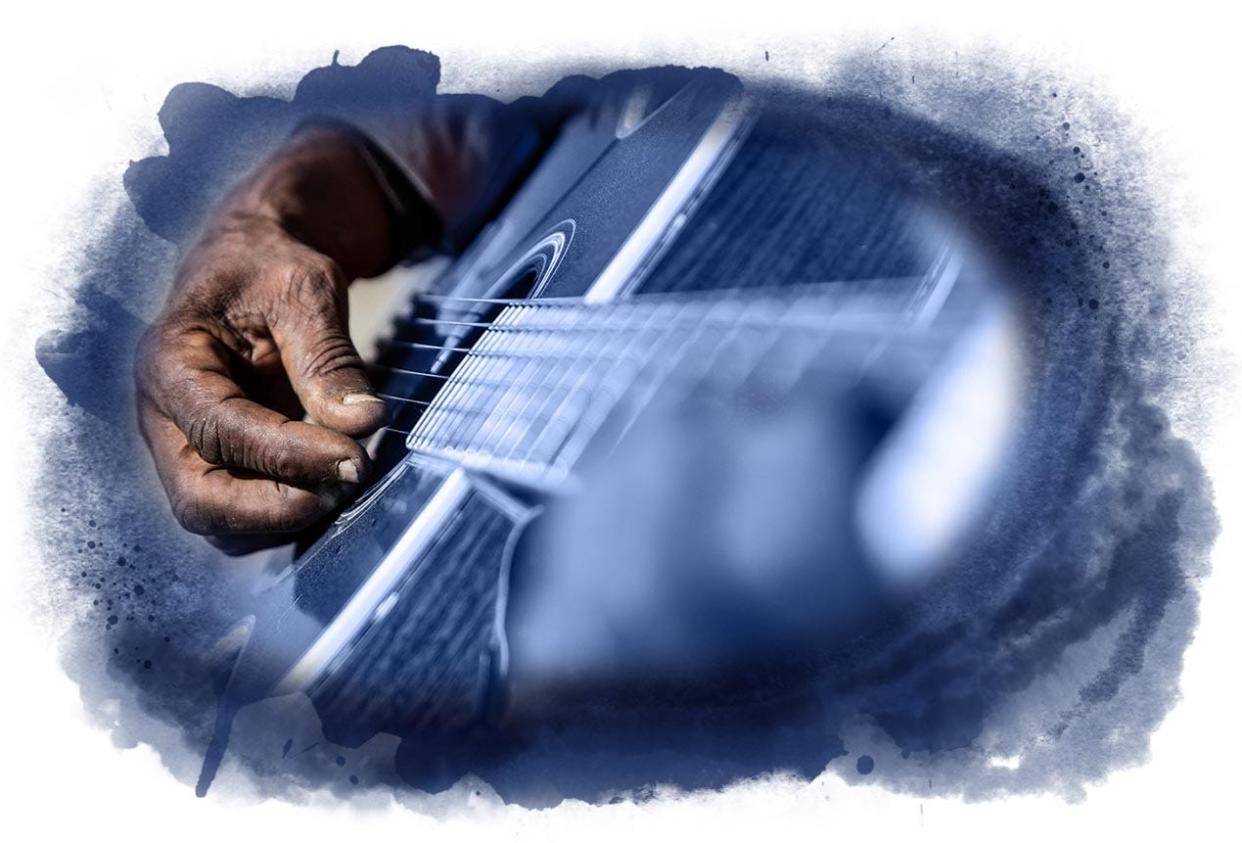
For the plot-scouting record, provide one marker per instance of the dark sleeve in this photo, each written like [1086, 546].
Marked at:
[448, 168]
[449, 164]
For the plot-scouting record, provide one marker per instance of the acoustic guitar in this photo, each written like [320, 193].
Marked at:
[712, 258]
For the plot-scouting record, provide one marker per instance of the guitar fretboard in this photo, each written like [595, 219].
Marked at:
[547, 376]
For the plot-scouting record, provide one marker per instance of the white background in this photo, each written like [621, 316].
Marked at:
[81, 90]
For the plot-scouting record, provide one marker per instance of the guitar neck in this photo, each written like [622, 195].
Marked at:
[544, 377]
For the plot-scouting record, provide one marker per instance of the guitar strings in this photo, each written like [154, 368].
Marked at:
[916, 340]
[908, 333]
[897, 320]
[879, 326]
[531, 385]
[845, 321]
[660, 298]
[475, 405]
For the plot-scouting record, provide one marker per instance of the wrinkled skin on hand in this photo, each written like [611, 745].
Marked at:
[252, 340]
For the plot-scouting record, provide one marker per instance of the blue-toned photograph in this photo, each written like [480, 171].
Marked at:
[659, 428]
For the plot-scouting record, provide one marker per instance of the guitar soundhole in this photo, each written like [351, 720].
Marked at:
[429, 342]
[524, 285]
[530, 273]
[459, 324]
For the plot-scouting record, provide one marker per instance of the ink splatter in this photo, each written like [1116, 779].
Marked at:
[1100, 583]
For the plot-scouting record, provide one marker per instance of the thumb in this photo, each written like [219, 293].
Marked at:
[324, 368]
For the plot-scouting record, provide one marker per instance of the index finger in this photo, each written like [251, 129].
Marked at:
[187, 377]
[215, 501]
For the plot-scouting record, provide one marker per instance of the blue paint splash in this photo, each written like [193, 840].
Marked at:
[1116, 510]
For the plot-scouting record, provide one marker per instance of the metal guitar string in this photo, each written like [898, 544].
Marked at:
[522, 427]
[915, 335]
[601, 391]
[546, 356]
[536, 340]
[581, 357]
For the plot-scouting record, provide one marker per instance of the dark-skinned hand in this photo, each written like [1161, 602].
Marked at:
[250, 392]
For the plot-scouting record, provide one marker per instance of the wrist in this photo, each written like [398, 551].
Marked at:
[319, 191]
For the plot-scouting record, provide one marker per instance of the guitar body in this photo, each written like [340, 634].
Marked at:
[398, 618]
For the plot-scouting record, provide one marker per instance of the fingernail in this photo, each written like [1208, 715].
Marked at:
[347, 471]
[361, 398]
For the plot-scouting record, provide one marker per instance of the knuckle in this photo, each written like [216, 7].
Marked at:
[315, 297]
[313, 285]
[192, 513]
[327, 269]
[215, 431]
[203, 434]
[328, 352]
[163, 371]
[151, 359]
[278, 461]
